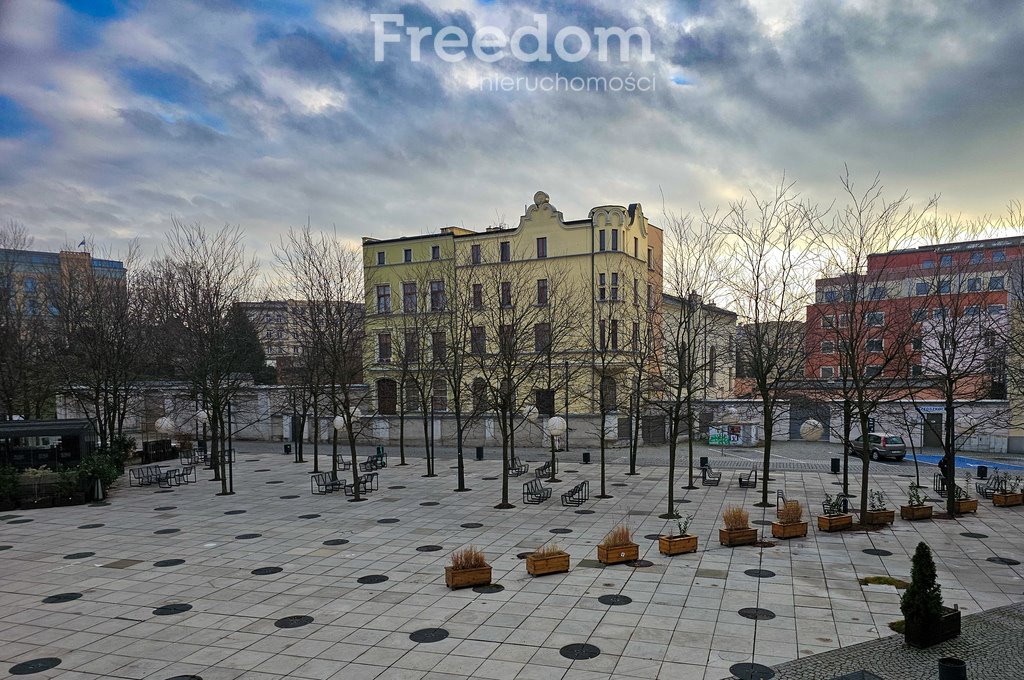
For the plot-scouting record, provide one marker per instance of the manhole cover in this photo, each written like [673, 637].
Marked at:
[760, 573]
[428, 504]
[570, 471]
[614, 600]
[471, 525]
[429, 548]
[34, 666]
[309, 516]
[8, 547]
[372, 578]
[579, 651]
[683, 500]
[235, 512]
[287, 498]
[165, 508]
[387, 520]
[877, 552]
[186, 677]
[263, 470]
[168, 609]
[489, 589]
[101, 504]
[761, 522]
[26, 521]
[79, 556]
[652, 537]
[971, 534]
[293, 621]
[1004, 560]
[757, 613]
[166, 531]
[619, 484]
[61, 597]
[765, 544]
[488, 479]
[84, 526]
[428, 635]
[336, 541]
[276, 481]
[523, 555]
[561, 531]
[640, 563]
[266, 571]
[168, 563]
[245, 537]
[584, 512]
[751, 671]
[395, 488]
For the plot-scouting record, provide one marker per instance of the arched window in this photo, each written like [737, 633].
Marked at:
[387, 397]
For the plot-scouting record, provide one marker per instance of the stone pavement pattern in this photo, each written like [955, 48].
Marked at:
[683, 621]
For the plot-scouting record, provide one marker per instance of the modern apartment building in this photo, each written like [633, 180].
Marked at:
[31, 279]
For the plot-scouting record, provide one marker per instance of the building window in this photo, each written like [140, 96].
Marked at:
[916, 343]
[384, 299]
[409, 296]
[477, 340]
[380, 257]
[478, 296]
[437, 299]
[844, 320]
[439, 347]
[542, 247]
[827, 372]
[939, 313]
[998, 256]
[435, 252]
[636, 336]
[650, 296]
[439, 395]
[921, 288]
[829, 296]
[602, 291]
[506, 294]
[872, 371]
[972, 310]
[600, 241]
[828, 321]
[505, 249]
[603, 339]
[614, 334]
[916, 371]
[615, 240]
[407, 255]
[875, 318]
[384, 348]
[973, 285]
[873, 345]
[636, 247]
[828, 347]
[30, 284]
[636, 291]
[996, 283]
[608, 394]
[650, 258]
[977, 257]
[474, 254]
[928, 264]
[479, 391]
[712, 366]
[919, 315]
[387, 397]
[877, 293]
[615, 285]
[996, 310]
[412, 347]
[545, 402]
[946, 261]
[412, 395]
[542, 337]
[542, 291]
[506, 339]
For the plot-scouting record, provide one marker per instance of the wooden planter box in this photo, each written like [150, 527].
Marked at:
[550, 564]
[915, 512]
[878, 517]
[966, 505]
[41, 502]
[8, 504]
[791, 530]
[618, 554]
[733, 537]
[677, 545]
[1007, 500]
[466, 578]
[77, 498]
[928, 633]
[835, 522]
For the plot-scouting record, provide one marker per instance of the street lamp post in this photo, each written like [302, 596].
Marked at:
[339, 424]
[556, 427]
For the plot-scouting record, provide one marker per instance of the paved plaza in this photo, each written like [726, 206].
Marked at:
[276, 583]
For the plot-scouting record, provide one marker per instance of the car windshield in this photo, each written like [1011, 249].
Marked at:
[894, 440]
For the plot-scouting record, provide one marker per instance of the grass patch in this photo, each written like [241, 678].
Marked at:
[884, 581]
[898, 626]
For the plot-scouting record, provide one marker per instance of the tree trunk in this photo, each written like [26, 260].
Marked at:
[847, 429]
[768, 431]
[355, 459]
[316, 438]
[949, 444]
[673, 435]
[865, 461]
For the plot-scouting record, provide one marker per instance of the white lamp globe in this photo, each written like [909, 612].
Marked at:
[164, 425]
[339, 423]
[556, 426]
[811, 430]
[202, 417]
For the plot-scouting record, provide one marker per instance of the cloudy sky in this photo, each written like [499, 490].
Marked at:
[117, 114]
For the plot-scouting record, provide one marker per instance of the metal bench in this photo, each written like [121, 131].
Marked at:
[366, 483]
[749, 480]
[991, 487]
[144, 476]
[323, 483]
[577, 495]
[939, 483]
[518, 467]
[165, 477]
[781, 502]
[543, 471]
[535, 492]
[187, 474]
[709, 477]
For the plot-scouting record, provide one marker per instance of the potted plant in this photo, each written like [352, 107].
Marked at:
[790, 524]
[468, 568]
[1009, 494]
[834, 517]
[927, 622]
[915, 508]
[964, 502]
[618, 546]
[547, 559]
[9, 485]
[737, 529]
[682, 542]
[40, 480]
[68, 488]
[877, 512]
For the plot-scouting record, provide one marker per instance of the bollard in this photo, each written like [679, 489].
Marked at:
[951, 668]
[982, 472]
[836, 462]
[479, 453]
[586, 457]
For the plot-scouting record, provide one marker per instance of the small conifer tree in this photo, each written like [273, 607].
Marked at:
[922, 601]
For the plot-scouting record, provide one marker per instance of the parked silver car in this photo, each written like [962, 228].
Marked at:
[883, 446]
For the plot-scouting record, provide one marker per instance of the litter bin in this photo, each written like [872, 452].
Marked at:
[952, 669]
[835, 465]
[982, 472]
[586, 457]
[703, 461]
[479, 453]
[287, 449]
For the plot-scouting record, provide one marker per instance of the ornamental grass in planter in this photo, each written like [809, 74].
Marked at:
[547, 559]
[1010, 495]
[963, 502]
[833, 517]
[737, 529]
[915, 509]
[878, 513]
[618, 546]
[790, 524]
[682, 542]
[927, 622]
[468, 568]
